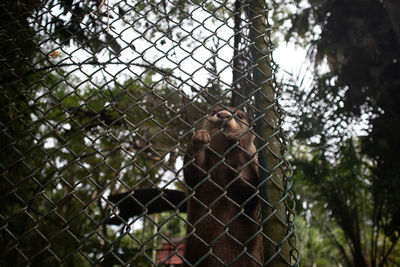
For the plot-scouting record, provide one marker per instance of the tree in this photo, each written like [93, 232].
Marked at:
[358, 43]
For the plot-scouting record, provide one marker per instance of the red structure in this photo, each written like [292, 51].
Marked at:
[168, 249]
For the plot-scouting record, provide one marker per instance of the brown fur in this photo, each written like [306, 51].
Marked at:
[222, 211]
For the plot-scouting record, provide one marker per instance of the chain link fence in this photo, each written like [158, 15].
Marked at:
[99, 103]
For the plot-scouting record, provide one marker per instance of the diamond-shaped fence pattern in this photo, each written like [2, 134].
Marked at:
[141, 133]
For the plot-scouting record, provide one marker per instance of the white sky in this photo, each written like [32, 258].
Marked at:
[192, 61]
[291, 59]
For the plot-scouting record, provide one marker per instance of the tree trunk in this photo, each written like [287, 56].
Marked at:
[236, 99]
[276, 245]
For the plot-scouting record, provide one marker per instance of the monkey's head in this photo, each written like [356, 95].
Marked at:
[229, 124]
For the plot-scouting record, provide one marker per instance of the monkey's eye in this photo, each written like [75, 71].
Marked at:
[240, 116]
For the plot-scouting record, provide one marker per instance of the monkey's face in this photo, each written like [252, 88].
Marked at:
[232, 123]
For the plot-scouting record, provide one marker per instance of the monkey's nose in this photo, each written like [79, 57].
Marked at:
[223, 115]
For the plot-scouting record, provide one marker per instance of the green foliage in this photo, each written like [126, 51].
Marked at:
[352, 175]
[65, 149]
[316, 249]
[67, 152]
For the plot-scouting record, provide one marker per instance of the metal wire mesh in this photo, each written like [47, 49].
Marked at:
[99, 101]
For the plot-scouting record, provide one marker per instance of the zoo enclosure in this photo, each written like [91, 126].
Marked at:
[101, 97]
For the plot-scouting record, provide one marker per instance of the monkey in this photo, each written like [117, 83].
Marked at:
[221, 172]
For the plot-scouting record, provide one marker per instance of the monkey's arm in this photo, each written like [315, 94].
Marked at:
[195, 158]
[151, 200]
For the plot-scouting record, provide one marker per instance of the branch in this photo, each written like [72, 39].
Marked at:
[147, 201]
[340, 247]
[384, 259]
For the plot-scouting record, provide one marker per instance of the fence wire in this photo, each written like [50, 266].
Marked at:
[99, 103]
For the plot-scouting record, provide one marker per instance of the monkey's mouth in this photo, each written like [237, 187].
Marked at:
[218, 122]
[221, 120]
